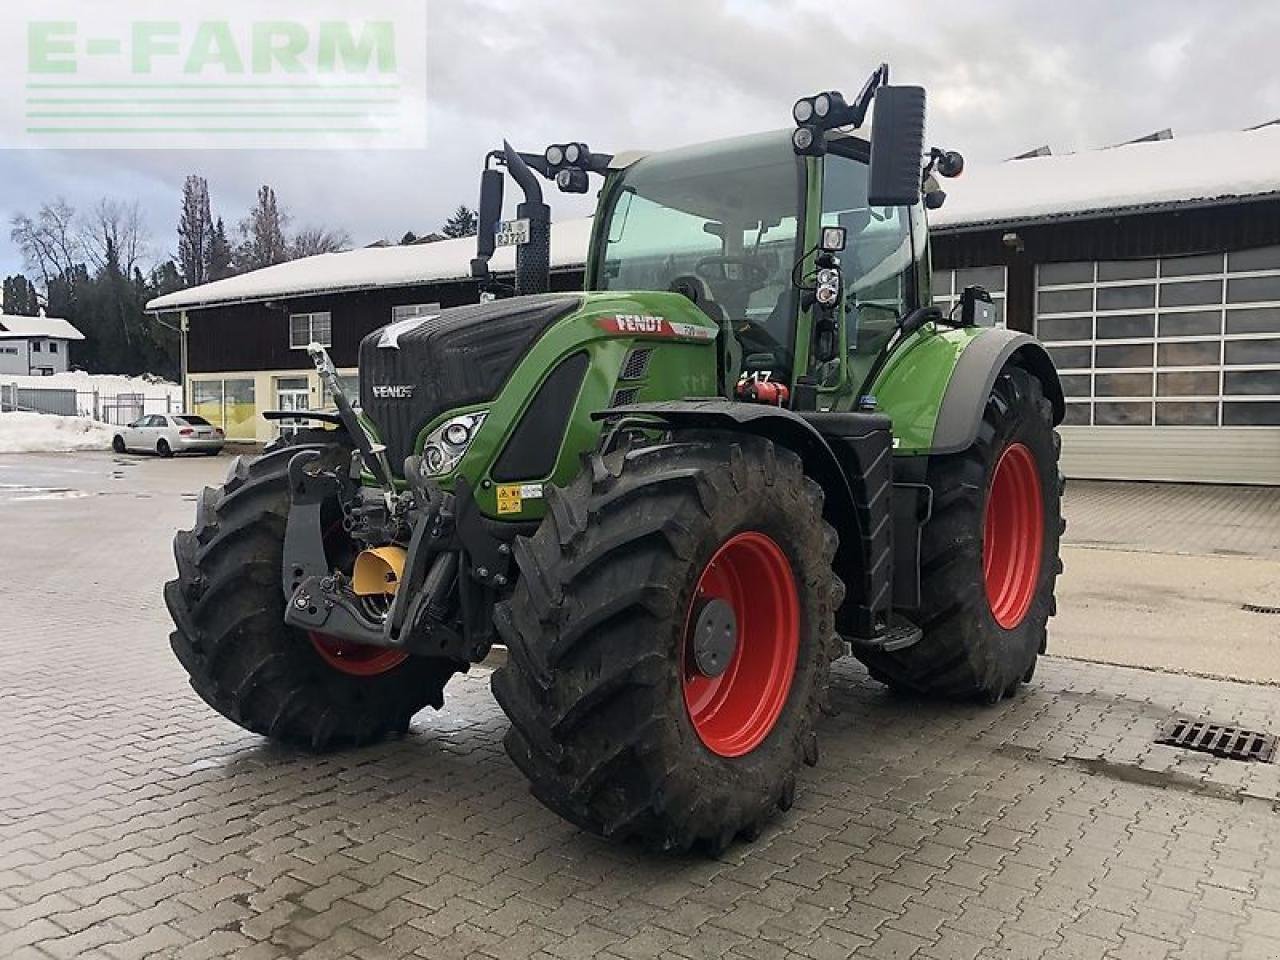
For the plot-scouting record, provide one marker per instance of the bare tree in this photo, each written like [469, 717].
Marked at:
[50, 243]
[310, 241]
[115, 226]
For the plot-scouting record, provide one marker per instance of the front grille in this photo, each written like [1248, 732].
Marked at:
[636, 364]
[462, 356]
[1230, 743]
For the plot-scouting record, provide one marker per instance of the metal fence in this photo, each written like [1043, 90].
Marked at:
[116, 409]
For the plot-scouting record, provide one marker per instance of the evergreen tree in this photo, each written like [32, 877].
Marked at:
[221, 256]
[463, 223]
[408, 239]
[195, 232]
[20, 298]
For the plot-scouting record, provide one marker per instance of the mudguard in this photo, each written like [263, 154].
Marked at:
[974, 375]
[935, 385]
[847, 454]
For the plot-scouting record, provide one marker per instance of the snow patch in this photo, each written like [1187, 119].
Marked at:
[107, 384]
[46, 433]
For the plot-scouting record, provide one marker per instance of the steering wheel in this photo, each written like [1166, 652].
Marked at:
[718, 270]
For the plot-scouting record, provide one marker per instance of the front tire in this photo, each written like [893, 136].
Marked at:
[117, 443]
[621, 716]
[228, 607]
[989, 555]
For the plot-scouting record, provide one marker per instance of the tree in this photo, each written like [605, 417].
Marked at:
[117, 226]
[262, 235]
[195, 232]
[221, 256]
[408, 239]
[311, 241]
[20, 299]
[463, 223]
[50, 243]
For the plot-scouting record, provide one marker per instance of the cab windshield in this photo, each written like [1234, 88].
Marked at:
[720, 221]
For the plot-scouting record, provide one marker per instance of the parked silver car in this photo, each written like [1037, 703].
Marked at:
[167, 434]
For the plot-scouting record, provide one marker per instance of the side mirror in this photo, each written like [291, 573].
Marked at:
[897, 147]
[489, 214]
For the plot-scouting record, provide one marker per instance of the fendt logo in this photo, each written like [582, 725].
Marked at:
[154, 74]
[393, 391]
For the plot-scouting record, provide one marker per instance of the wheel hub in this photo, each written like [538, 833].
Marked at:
[715, 637]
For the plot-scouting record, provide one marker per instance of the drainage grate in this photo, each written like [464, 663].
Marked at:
[1258, 608]
[1230, 743]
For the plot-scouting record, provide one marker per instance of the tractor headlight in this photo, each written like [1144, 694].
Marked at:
[555, 155]
[447, 443]
[572, 153]
[822, 105]
[803, 110]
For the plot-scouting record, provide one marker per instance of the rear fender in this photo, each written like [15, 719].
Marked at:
[975, 374]
[935, 386]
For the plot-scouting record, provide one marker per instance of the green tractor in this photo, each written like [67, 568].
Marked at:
[751, 446]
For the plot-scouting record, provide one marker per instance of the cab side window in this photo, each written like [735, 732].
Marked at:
[878, 255]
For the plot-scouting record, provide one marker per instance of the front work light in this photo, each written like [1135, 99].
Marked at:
[803, 110]
[809, 140]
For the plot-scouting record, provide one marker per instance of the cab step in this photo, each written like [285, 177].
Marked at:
[896, 636]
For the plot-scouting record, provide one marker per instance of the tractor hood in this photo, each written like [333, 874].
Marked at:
[414, 370]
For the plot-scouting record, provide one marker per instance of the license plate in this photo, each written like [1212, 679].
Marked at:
[512, 232]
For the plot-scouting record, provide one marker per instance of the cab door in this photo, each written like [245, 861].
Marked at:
[881, 262]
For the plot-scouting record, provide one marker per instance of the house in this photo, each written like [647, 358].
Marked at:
[35, 346]
[1151, 271]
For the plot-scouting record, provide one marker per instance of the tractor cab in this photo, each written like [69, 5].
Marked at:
[807, 248]
[738, 226]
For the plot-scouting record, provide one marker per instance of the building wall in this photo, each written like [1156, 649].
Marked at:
[255, 336]
[13, 357]
[23, 361]
[235, 399]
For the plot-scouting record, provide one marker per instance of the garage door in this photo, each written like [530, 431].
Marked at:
[1171, 366]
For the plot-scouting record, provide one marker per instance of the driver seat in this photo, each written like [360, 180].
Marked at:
[698, 292]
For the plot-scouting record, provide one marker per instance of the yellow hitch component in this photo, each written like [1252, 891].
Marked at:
[377, 572]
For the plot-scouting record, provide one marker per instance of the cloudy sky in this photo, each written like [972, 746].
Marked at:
[1003, 76]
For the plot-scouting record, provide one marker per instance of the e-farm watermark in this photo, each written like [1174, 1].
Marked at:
[281, 74]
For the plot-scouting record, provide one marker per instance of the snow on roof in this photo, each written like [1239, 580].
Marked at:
[372, 268]
[20, 328]
[1205, 167]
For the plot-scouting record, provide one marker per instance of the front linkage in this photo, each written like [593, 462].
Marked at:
[442, 585]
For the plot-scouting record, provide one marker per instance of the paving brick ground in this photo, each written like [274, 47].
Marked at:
[134, 822]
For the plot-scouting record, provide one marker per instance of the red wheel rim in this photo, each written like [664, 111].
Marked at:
[734, 712]
[356, 659]
[353, 659]
[1013, 536]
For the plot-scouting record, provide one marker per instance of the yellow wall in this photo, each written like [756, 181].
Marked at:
[244, 421]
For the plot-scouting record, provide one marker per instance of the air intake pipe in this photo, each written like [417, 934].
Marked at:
[533, 259]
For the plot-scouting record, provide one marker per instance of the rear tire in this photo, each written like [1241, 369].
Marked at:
[600, 686]
[228, 607]
[117, 443]
[985, 625]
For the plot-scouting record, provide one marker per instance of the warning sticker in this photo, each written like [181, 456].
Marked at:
[511, 496]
